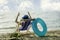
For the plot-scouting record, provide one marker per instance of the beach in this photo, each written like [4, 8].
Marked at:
[50, 35]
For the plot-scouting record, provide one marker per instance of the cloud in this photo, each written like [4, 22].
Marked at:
[4, 10]
[48, 5]
[3, 1]
[25, 5]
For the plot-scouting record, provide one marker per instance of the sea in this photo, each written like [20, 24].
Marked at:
[51, 18]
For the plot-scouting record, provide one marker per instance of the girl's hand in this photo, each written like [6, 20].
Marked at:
[18, 14]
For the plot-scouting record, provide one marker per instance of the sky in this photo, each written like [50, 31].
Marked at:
[48, 10]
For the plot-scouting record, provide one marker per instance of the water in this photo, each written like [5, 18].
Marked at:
[51, 19]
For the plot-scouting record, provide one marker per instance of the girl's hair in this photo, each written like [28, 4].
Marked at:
[25, 17]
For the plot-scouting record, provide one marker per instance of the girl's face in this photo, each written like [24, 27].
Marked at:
[22, 21]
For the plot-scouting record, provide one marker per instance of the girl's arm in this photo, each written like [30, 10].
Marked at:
[31, 17]
[17, 19]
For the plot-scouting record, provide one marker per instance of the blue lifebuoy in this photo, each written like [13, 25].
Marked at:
[35, 28]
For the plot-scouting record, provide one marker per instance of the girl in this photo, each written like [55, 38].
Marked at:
[24, 22]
